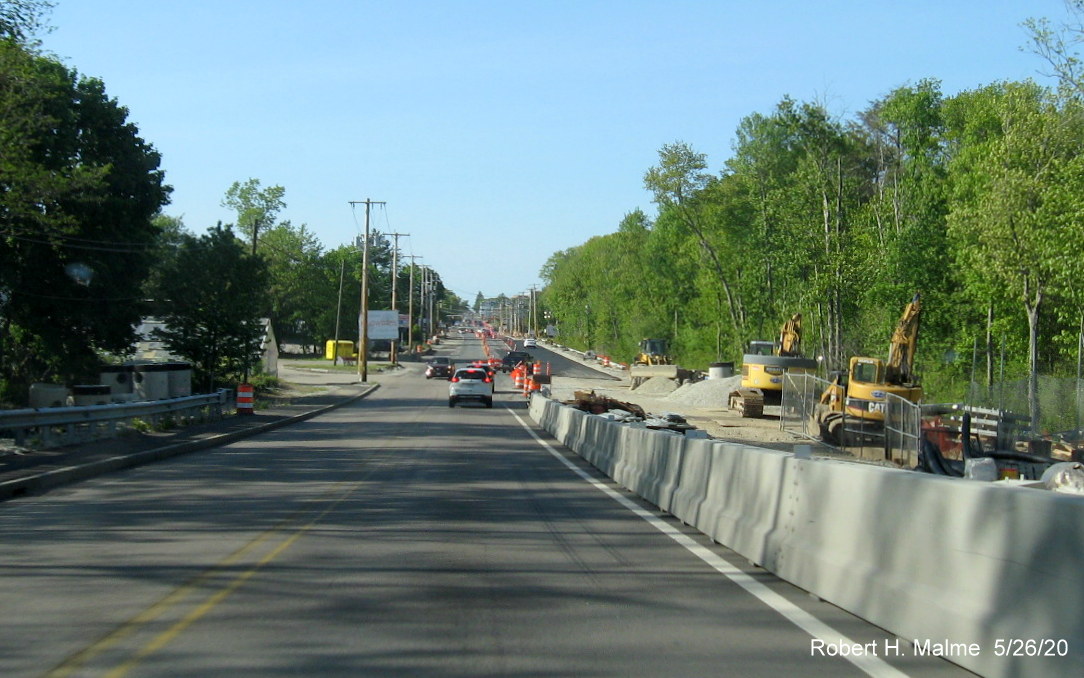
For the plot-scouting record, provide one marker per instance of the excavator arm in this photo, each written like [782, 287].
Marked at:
[901, 352]
[790, 337]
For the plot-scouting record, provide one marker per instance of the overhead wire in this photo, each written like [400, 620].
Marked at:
[54, 239]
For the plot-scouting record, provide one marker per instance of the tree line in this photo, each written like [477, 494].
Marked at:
[974, 200]
[86, 251]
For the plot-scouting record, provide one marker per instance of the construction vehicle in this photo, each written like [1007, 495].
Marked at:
[857, 399]
[653, 352]
[763, 367]
[653, 360]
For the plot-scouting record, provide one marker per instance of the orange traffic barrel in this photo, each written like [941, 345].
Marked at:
[244, 399]
[536, 368]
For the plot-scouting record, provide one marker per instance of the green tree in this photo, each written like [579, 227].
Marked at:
[676, 183]
[1057, 44]
[204, 298]
[298, 288]
[256, 207]
[904, 244]
[21, 20]
[78, 191]
[1017, 209]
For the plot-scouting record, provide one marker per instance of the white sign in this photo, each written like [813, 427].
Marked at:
[384, 325]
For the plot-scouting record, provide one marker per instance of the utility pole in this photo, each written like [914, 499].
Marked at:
[410, 303]
[534, 311]
[363, 340]
[338, 312]
[394, 284]
[432, 304]
[427, 321]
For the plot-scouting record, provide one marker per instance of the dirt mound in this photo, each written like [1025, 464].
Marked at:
[657, 386]
[710, 394]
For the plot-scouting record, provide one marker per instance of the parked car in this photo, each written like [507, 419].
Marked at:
[440, 367]
[470, 383]
[514, 358]
[530, 342]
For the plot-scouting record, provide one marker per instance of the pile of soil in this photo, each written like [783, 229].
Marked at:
[710, 394]
[657, 386]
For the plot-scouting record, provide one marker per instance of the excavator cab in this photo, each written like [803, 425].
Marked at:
[866, 370]
[762, 348]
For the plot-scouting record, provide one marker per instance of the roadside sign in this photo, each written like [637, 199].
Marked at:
[383, 325]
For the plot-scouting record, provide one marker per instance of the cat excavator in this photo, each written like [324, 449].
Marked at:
[764, 365]
[859, 396]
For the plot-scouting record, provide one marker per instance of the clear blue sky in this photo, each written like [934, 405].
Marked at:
[498, 132]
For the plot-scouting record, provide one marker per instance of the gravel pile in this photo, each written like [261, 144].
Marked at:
[657, 386]
[710, 394]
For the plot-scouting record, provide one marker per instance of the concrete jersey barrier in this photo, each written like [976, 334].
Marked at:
[985, 573]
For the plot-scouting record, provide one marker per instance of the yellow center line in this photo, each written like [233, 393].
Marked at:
[74, 662]
[212, 601]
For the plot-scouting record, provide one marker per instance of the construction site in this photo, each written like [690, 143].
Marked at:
[873, 412]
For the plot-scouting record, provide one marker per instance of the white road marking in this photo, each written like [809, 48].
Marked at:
[869, 664]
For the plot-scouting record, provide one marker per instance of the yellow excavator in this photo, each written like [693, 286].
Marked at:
[764, 365]
[861, 393]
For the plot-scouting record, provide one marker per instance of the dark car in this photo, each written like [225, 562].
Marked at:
[491, 370]
[440, 367]
[514, 358]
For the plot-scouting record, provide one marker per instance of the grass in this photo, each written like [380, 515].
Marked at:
[322, 364]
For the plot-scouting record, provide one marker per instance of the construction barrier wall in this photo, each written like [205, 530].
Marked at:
[925, 557]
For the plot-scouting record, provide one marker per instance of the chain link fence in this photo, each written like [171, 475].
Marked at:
[998, 417]
[801, 394]
[904, 424]
[803, 414]
[1061, 401]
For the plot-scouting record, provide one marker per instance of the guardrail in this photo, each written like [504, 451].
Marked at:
[58, 426]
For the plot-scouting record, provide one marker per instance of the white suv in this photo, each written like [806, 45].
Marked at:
[470, 383]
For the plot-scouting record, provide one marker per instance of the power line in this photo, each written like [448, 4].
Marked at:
[118, 248]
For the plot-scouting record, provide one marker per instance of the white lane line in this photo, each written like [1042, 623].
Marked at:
[869, 664]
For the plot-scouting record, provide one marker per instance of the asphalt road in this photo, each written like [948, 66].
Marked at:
[394, 537]
[564, 367]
